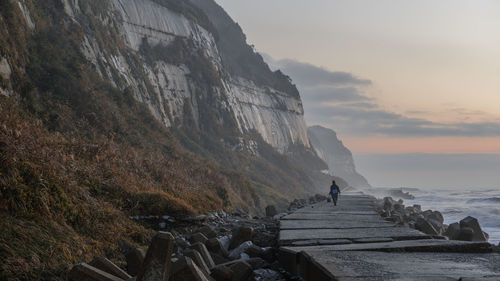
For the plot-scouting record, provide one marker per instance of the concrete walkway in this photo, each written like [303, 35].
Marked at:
[351, 241]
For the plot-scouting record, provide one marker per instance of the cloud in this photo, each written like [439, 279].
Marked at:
[336, 99]
[372, 121]
[306, 74]
[325, 94]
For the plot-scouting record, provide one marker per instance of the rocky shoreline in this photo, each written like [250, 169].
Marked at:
[431, 222]
[218, 246]
[236, 247]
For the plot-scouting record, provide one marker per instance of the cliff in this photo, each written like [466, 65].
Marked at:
[338, 157]
[117, 108]
[186, 62]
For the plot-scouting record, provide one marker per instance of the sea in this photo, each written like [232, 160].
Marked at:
[483, 204]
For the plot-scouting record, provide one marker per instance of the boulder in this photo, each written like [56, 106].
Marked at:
[436, 224]
[410, 210]
[208, 231]
[385, 213]
[202, 249]
[180, 244]
[427, 213]
[411, 224]
[157, 260]
[240, 235]
[388, 204]
[256, 263]
[266, 275]
[222, 273]
[453, 231]
[215, 246]
[235, 254]
[188, 271]
[241, 213]
[400, 208]
[264, 238]
[225, 241]
[197, 259]
[85, 272]
[271, 211]
[417, 208]
[198, 237]
[254, 251]
[472, 223]
[134, 259]
[437, 216]
[426, 227]
[396, 217]
[218, 259]
[466, 234]
[107, 266]
[241, 270]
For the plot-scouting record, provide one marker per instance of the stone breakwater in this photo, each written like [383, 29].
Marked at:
[429, 222]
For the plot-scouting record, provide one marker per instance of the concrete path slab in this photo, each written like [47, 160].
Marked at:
[332, 224]
[427, 245]
[397, 233]
[356, 216]
[351, 242]
[346, 265]
[321, 242]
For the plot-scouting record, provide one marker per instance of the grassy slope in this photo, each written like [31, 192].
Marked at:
[79, 156]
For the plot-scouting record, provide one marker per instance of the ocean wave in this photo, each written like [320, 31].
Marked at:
[485, 200]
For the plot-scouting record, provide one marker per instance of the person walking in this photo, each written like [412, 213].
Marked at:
[335, 192]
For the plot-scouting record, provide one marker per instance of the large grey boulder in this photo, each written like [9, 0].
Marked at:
[188, 270]
[425, 226]
[85, 272]
[208, 231]
[236, 253]
[134, 258]
[198, 237]
[202, 249]
[438, 226]
[197, 259]
[156, 263]
[240, 235]
[437, 216]
[254, 251]
[266, 275]
[472, 223]
[271, 211]
[466, 234]
[222, 273]
[107, 266]
[453, 231]
[241, 270]
[215, 246]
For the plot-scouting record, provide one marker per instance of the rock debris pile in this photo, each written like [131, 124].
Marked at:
[218, 247]
[430, 222]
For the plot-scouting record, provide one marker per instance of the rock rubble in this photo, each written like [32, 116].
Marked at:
[213, 247]
[429, 222]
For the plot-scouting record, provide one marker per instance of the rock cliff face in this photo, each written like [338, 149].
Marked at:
[187, 61]
[187, 57]
[338, 157]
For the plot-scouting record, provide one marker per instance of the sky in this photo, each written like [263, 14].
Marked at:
[416, 81]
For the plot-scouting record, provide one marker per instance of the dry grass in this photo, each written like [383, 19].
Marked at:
[64, 200]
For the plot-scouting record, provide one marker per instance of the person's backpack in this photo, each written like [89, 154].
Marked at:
[335, 191]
